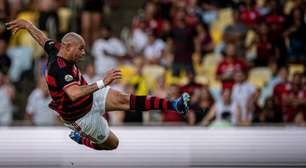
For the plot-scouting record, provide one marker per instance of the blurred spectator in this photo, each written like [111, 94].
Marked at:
[275, 18]
[201, 103]
[299, 118]
[236, 33]
[5, 61]
[139, 38]
[276, 21]
[150, 15]
[183, 40]
[204, 43]
[225, 105]
[4, 9]
[37, 109]
[269, 114]
[208, 12]
[161, 87]
[4, 17]
[253, 107]
[7, 94]
[138, 80]
[91, 18]
[165, 32]
[154, 50]
[248, 13]
[290, 97]
[21, 58]
[229, 65]
[191, 85]
[242, 93]
[90, 73]
[107, 50]
[265, 49]
[296, 34]
[281, 77]
[48, 19]
[304, 79]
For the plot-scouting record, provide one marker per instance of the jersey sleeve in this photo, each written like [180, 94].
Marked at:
[51, 47]
[65, 78]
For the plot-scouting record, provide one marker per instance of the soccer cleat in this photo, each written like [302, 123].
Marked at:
[181, 104]
[76, 136]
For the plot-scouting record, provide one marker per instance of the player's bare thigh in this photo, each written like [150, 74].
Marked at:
[117, 100]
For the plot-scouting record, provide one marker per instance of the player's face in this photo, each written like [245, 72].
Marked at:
[78, 52]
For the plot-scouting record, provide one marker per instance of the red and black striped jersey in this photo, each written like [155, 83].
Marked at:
[60, 75]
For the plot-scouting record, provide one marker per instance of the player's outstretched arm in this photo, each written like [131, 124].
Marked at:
[75, 91]
[37, 34]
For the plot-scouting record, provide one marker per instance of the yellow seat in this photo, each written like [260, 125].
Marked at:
[151, 73]
[64, 17]
[173, 80]
[201, 79]
[224, 19]
[294, 68]
[260, 76]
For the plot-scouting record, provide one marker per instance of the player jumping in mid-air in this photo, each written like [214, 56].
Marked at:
[79, 104]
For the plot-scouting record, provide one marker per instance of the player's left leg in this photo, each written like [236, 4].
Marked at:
[110, 143]
[119, 101]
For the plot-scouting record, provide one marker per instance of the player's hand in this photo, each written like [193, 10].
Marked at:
[17, 24]
[112, 75]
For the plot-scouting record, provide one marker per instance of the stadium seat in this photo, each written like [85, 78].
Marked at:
[201, 79]
[260, 76]
[152, 72]
[209, 65]
[293, 68]
[217, 27]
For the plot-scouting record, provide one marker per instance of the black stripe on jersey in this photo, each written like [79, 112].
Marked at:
[54, 89]
[82, 103]
[72, 116]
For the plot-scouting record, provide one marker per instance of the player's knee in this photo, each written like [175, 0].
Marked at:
[115, 144]
[111, 143]
[112, 146]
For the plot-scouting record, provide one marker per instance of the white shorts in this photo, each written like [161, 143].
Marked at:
[93, 125]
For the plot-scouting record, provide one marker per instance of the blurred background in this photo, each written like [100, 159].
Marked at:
[242, 61]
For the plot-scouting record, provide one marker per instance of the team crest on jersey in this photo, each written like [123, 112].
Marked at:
[68, 78]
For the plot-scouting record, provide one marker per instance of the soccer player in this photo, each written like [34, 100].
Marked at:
[80, 104]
